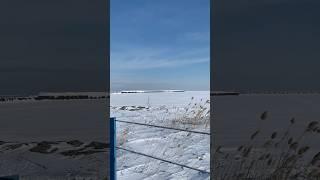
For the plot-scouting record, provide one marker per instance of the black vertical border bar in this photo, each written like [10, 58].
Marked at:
[108, 57]
[109, 161]
[108, 51]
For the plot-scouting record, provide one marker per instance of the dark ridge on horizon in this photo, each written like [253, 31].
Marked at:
[271, 92]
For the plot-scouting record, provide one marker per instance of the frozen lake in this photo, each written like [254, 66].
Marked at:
[54, 120]
[157, 99]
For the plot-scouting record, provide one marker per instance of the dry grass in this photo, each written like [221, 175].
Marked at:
[123, 136]
[194, 114]
[281, 156]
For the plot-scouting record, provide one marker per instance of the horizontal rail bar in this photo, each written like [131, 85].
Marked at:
[164, 127]
[142, 154]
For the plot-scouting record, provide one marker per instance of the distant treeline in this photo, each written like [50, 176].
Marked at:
[14, 98]
[42, 97]
[150, 91]
[279, 92]
[234, 92]
[68, 97]
[224, 94]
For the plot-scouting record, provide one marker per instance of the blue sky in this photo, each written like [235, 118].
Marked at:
[160, 44]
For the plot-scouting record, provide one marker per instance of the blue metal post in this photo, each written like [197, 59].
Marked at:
[113, 143]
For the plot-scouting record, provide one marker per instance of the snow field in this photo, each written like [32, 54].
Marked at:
[169, 110]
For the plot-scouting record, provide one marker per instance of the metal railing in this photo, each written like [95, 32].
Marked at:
[164, 127]
[114, 147]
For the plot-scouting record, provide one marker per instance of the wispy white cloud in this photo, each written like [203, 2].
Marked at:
[149, 58]
[196, 36]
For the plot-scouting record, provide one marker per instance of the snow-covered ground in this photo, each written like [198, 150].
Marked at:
[187, 110]
[60, 139]
[265, 133]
